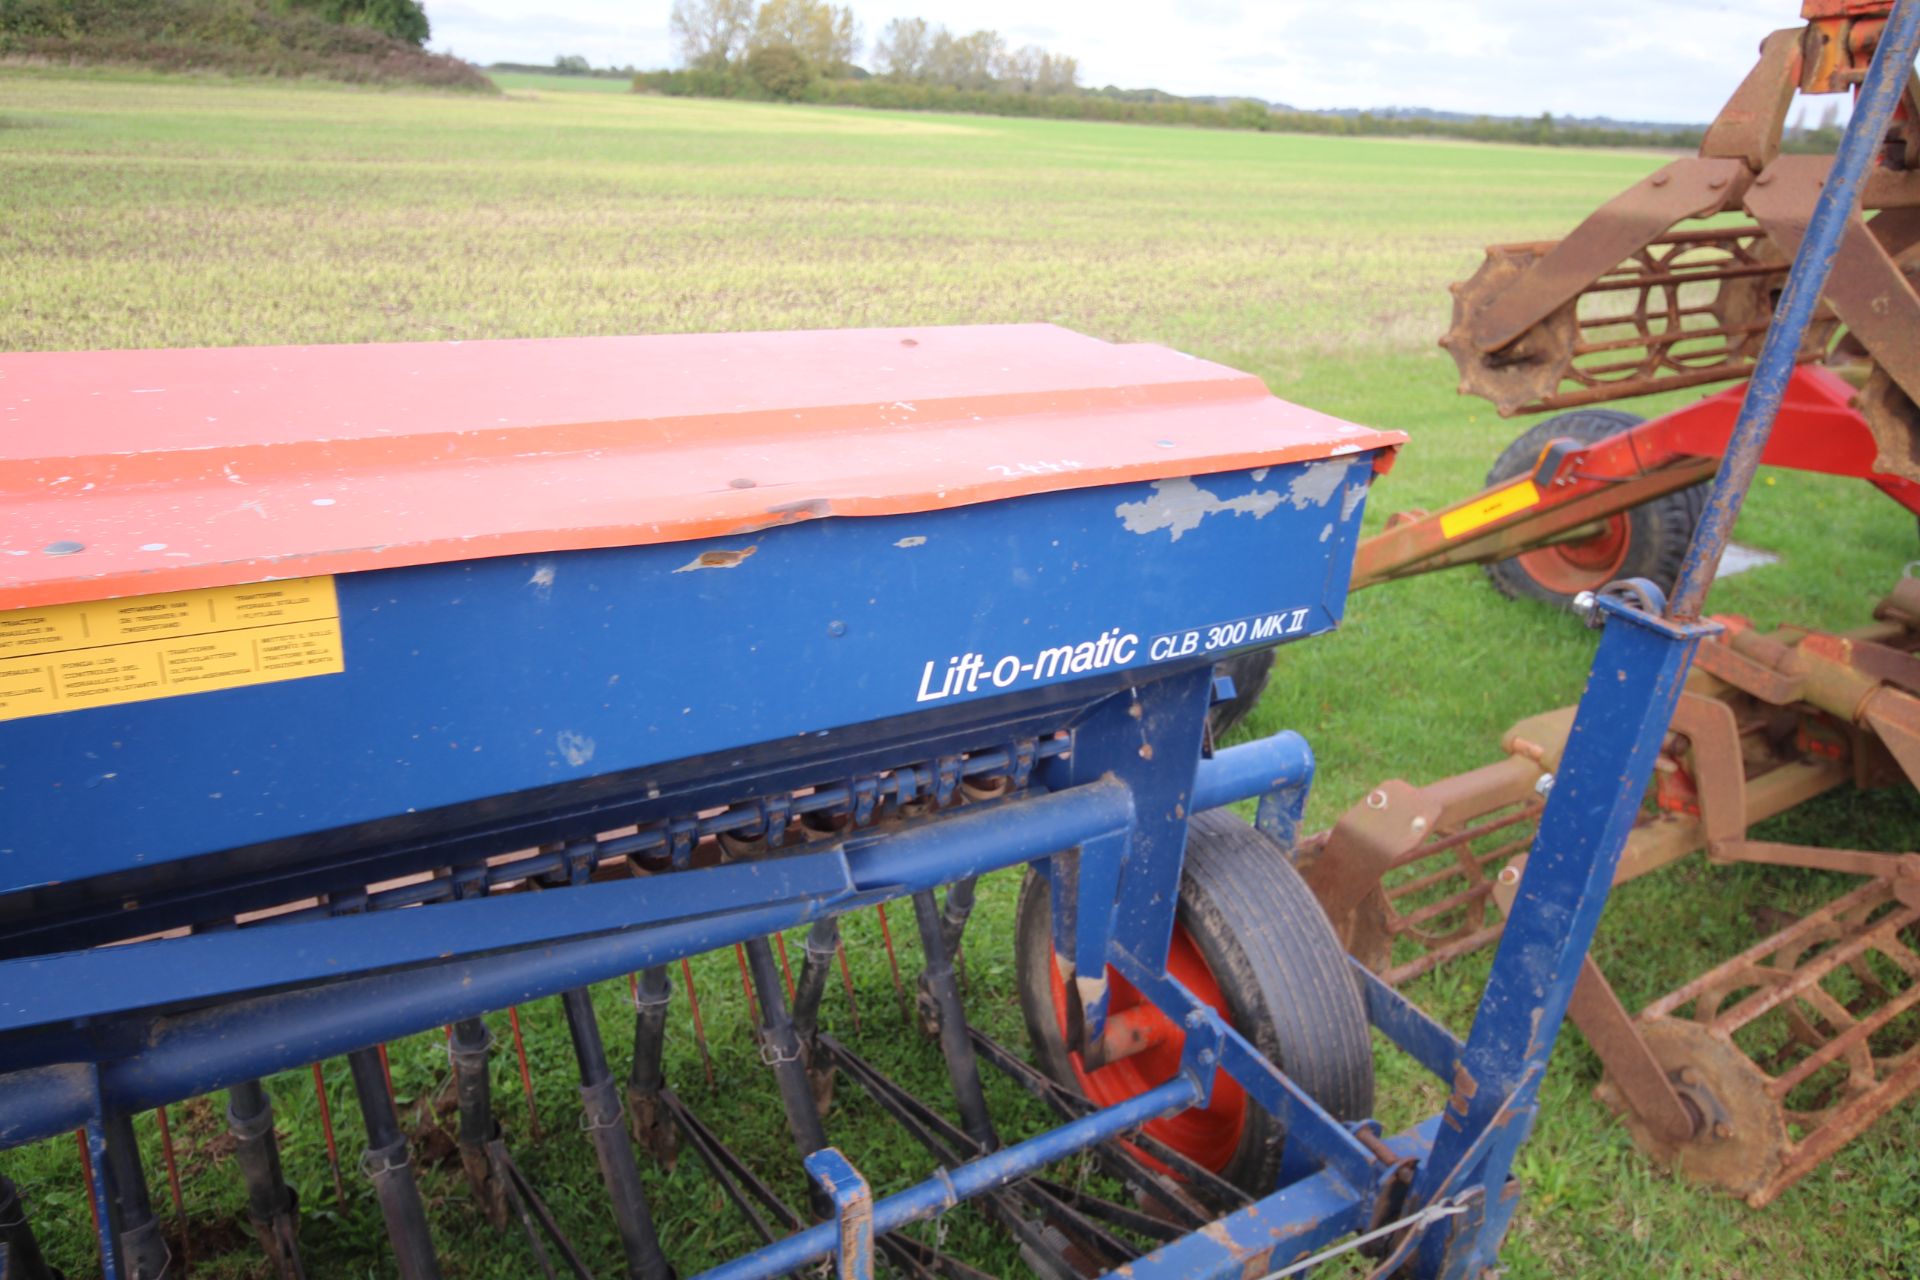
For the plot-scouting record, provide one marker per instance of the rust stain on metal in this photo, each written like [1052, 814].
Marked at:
[717, 560]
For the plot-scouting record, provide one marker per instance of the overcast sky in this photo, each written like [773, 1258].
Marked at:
[1671, 60]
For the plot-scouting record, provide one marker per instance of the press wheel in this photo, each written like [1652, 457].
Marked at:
[1251, 941]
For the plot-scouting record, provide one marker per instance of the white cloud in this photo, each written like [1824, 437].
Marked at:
[1633, 59]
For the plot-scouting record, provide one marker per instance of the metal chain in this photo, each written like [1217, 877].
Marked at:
[1432, 1213]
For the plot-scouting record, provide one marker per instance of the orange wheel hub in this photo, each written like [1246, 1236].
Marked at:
[1207, 1135]
[1569, 568]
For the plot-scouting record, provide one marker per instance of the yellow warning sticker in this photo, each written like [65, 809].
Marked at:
[65, 657]
[1499, 503]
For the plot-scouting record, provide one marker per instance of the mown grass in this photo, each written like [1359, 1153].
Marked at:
[136, 211]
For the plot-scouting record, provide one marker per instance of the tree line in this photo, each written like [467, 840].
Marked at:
[809, 51]
[787, 48]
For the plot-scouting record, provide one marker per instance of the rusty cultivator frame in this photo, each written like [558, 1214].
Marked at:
[1754, 1072]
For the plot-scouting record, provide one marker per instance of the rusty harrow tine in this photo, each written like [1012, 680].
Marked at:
[173, 1185]
[786, 972]
[386, 1073]
[86, 1173]
[699, 1024]
[526, 1076]
[1440, 955]
[326, 1130]
[746, 985]
[893, 964]
[846, 981]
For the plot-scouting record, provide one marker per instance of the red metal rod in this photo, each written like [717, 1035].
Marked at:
[173, 1183]
[780, 941]
[526, 1076]
[746, 985]
[699, 1024]
[846, 980]
[326, 1128]
[86, 1171]
[886, 936]
[387, 1071]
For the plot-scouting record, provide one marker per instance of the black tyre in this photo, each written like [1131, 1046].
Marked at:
[1648, 541]
[1250, 939]
[1250, 672]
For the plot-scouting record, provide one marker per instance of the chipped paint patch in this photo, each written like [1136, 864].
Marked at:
[717, 560]
[1316, 484]
[542, 580]
[1326, 531]
[576, 748]
[1351, 500]
[1093, 991]
[1179, 506]
[911, 542]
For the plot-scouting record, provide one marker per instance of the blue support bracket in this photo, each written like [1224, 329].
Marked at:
[853, 1212]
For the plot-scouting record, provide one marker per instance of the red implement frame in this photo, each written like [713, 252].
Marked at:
[1574, 487]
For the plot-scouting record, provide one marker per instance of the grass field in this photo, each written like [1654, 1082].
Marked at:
[141, 211]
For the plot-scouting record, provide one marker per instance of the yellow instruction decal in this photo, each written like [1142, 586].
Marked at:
[1499, 503]
[68, 656]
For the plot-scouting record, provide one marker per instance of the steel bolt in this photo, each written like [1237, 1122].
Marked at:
[1689, 1076]
[1509, 875]
[1543, 784]
[1662, 178]
[64, 547]
[836, 629]
[1376, 800]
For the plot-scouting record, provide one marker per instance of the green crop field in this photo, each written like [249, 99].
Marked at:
[148, 211]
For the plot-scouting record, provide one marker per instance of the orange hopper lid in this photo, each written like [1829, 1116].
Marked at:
[131, 472]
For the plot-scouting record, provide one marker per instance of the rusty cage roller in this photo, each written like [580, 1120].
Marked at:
[1749, 1075]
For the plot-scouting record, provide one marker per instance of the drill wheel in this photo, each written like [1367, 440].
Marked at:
[1251, 940]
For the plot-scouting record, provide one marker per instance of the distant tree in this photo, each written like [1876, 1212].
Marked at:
[711, 34]
[402, 19]
[826, 35]
[780, 69]
[901, 50]
[572, 64]
[965, 62]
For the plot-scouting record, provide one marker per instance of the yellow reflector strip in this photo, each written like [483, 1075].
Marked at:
[1484, 511]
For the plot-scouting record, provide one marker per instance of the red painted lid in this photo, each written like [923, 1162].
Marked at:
[199, 468]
